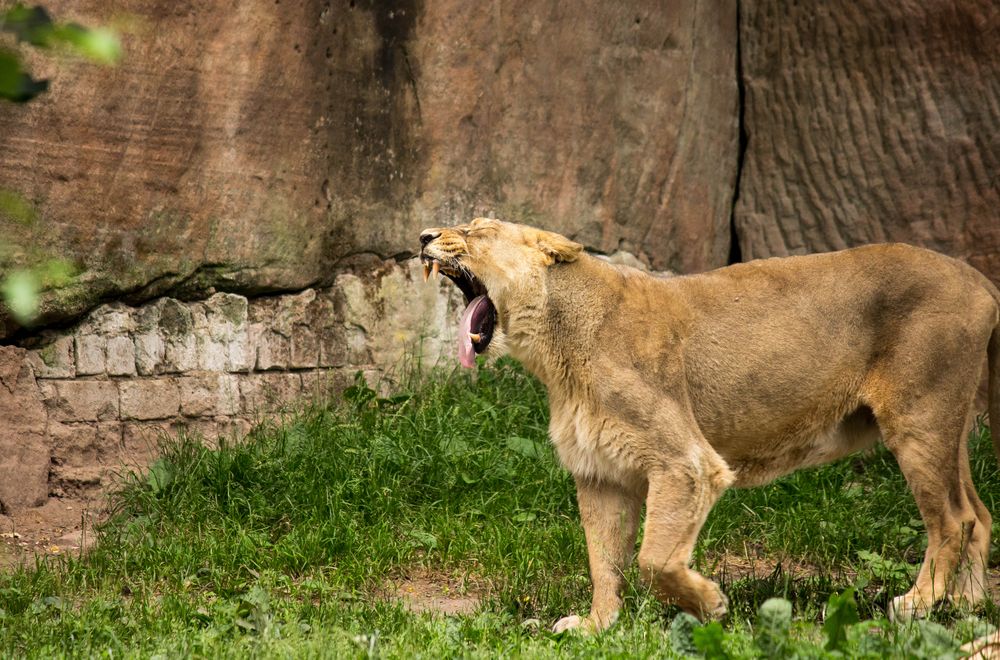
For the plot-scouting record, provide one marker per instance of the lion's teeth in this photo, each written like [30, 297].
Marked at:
[427, 272]
[434, 269]
[475, 337]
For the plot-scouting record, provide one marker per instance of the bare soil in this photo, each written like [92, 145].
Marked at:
[62, 525]
[425, 591]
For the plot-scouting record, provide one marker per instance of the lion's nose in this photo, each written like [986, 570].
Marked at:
[428, 236]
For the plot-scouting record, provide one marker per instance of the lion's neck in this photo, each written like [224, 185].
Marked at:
[551, 328]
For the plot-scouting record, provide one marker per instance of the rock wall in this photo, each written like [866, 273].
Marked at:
[261, 146]
[243, 150]
[98, 395]
[868, 122]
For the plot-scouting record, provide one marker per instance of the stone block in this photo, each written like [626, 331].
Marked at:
[77, 481]
[291, 311]
[354, 302]
[175, 319]
[150, 352]
[212, 354]
[108, 320]
[81, 400]
[24, 453]
[91, 354]
[225, 315]
[304, 347]
[273, 351]
[180, 354]
[24, 470]
[121, 356]
[204, 429]
[233, 428]
[149, 398]
[356, 343]
[332, 346]
[269, 392]
[56, 360]
[230, 400]
[85, 457]
[147, 318]
[262, 310]
[79, 444]
[210, 394]
[239, 355]
[324, 385]
[141, 442]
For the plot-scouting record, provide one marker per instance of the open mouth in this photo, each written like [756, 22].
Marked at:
[475, 330]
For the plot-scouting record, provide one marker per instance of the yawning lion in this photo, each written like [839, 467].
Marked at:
[668, 391]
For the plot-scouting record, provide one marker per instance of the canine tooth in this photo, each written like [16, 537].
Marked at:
[427, 272]
[434, 269]
[475, 337]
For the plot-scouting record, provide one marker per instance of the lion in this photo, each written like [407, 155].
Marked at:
[665, 392]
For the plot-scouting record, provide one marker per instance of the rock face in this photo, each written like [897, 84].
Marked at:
[871, 121]
[255, 146]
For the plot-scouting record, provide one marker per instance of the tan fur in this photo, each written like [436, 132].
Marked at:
[665, 392]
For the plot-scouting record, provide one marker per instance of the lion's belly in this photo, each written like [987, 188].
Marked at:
[756, 461]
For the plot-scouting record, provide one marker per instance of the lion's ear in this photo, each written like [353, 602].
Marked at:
[559, 248]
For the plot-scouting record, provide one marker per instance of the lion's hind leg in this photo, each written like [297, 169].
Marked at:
[970, 584]
[931, 452]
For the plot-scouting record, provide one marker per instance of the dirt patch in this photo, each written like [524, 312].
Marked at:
[60, 526]
[730, 567]
[424, 591]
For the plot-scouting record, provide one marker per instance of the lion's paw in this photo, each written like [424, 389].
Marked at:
[573, 622]
[719, 610]
[906, 608]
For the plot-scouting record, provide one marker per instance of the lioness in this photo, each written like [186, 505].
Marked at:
[668, 391]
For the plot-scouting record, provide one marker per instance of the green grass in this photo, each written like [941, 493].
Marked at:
[286, 545]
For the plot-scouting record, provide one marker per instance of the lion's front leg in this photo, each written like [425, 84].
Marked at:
[610, 516]
[676, 507]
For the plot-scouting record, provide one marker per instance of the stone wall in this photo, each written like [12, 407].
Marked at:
[80, 402]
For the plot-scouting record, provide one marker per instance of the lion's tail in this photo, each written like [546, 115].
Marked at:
[993, 368]
[993, 380]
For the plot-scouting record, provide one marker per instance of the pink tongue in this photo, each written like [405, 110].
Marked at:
[466, 353]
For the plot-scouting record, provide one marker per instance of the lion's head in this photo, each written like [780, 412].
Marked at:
[494, 263]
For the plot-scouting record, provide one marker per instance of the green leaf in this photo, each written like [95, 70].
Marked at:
[933, 641]
[160, 476]
[100, 45]
[708, 640]
[20, 293]
[774, 621]
[524, 516]
[15, 84]
[682, 634]
[423, 538]
[524, 446]
[32, 25]
[841, 613]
